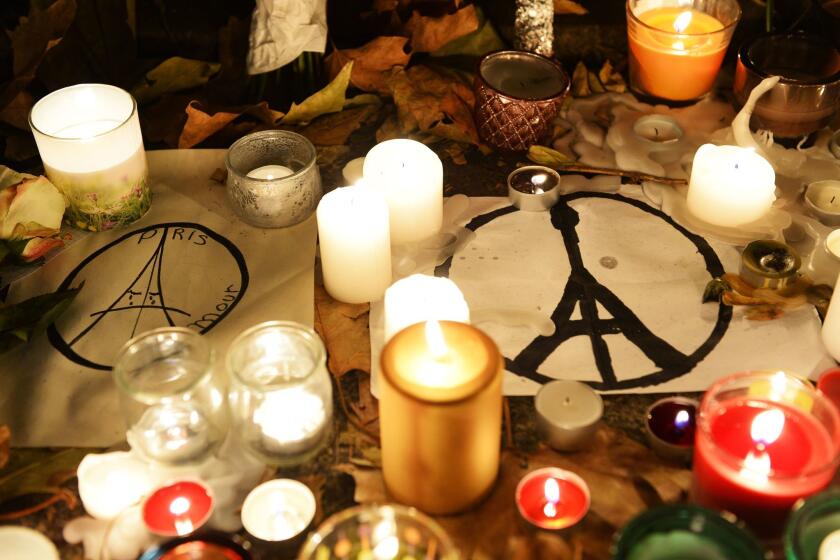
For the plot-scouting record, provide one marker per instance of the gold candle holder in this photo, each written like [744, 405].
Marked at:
[440, 415]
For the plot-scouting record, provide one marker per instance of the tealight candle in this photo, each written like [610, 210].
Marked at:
[440, 415]
[533, 188]
[730, 186]
[353, 171]
[670, 426]
[823, 201]
[22, 543]
[764, 440]
[270, 172]
[353, 231]
[552, 498]
[206, 546]
[568, 413]
[675, 51]
[110, 483]
[830, 547]
[409, 176]
[278, 510]
[659, 129]
[177, 509]
[813, 530]
[419, 298]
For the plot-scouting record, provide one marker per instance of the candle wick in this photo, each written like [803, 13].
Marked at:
[832, 199]
[736, 166]
[656, 132]
[567, 401]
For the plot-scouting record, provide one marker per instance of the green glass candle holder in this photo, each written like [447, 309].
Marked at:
[684, 532]
[810, 524]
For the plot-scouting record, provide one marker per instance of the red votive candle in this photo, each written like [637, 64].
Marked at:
[764, 440]
[552, 498]
[829, 383]
[178, 509]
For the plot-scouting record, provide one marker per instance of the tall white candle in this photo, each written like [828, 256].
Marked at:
[831, 325]
[420, 298]
[355, 244]
[410, 177]
[270, 172]
[730, 186]
[110, 483]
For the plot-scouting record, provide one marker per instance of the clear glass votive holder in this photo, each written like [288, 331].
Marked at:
[388, 531]
[764, 440]
[676, 48]
[273, 178]
[281, 392]
[813, 530]
[173, 405]
[89, 139]
[684, 531]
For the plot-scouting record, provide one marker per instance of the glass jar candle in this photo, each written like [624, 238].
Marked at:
[89, 139]
[174, 407]
[764, 440]
[281, 394]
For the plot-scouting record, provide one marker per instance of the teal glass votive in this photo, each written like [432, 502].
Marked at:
[814, 527]
[684, 532]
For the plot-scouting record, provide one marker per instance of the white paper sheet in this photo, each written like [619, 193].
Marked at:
[189, 262]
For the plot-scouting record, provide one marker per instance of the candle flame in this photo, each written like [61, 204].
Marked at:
[681, 419]
[435, 340]
[767, 426]
[682, 21]
[552, 496]
[179, 506]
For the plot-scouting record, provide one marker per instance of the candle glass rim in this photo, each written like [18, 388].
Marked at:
[801, 516]
[677, 399]
[157, 551]
[120, 373]
[736, 462]
[314, 344]
[122, 123]
[280, 483]
[268, 134]
[328, 526]
[187, 480]
[563, 92]
[554, 473]
[682, 35]
[639, 528]
[745, 57]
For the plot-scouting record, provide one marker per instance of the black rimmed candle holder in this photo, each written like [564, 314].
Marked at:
[670, 424]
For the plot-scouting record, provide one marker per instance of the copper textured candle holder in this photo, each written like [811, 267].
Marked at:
[517, 95]
[806, 97]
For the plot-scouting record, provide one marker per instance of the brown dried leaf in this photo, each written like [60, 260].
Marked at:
[738, 284]
[389, 129]
[202, 124]
[16, 112]
[569, 7]
[370, 62]
[612, 80]
[455, 151]
[5, 443]
[344, 328]
[38, 33]
[331, 155]
[431, 33]
[763, 312]
[580, 81]
[335, 128]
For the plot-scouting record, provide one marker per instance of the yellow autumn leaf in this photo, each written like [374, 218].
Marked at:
[548, 156]
[328, 100]
[172, 75]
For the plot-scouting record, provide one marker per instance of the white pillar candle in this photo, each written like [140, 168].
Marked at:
[831, 325]
[110, 483]
[270, 172]
[353, 171]
[730, 186]
[278, 510]
[23, 543]
[355, 244]
[410, 177]
[419, 298]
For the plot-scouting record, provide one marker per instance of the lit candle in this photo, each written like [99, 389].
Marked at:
[353, 171]
[568, 413]
[410, 177]
[730, 186]
[178, 509]
[278, 510]
[823, 201]
[764, 440]
[22, 543]
[89, 139]
[442, 384]
[829, 383]
[355, 245]
[110, 483]
[552, 498]
[676, 51]
[419, 298]
[292, 421]
[533, 188]
[670, 427]
[270, 172]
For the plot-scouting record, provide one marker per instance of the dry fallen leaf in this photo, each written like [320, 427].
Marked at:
[328, 100]
[335, 128]
[16, 112]
[580, 81]
[477, 43]
[548, 156]
[370, 62]
[331, 155]
[202, 124]
[431, 33]
[389, 129]
[5, 442]
[612, 80]
[344, 328]
[569, 7]
[173, 75]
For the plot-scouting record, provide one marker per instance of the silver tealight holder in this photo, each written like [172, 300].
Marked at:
[534, 188]
[273, 178]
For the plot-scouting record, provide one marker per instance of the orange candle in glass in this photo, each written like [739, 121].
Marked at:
[676, 50]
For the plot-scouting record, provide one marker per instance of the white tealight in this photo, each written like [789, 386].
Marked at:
[830, 547]
[270, 172]
[278, 510]
[22, 543]
[419, 298]
[823, 201]
[568, 413]
[110, 483]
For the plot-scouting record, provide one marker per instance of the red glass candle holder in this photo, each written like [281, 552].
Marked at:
[552, 498]
[178, 509]
[764, 440]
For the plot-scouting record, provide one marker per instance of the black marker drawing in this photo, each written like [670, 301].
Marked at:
[583, 289]
[145, 302]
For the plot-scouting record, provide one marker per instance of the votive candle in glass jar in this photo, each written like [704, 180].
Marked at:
[763, 441]
[281, 394]
[89, 139]
[174, 408]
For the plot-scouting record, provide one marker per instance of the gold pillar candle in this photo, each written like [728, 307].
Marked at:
[440, 415]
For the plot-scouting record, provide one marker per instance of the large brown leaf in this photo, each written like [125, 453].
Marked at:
[344, 328]
[5, 442]
[334, 129]
[431, 33]
[370, 62]
[203, 123]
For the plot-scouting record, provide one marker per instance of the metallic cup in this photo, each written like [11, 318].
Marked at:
[278, 202]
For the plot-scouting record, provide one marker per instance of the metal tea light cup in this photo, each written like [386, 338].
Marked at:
[534, 188]
[273, 200]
